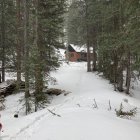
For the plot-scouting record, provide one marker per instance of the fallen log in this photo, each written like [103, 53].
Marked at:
[7, 87]
[2, 99]
[54, 91]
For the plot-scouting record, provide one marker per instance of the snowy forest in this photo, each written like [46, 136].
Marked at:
[44, 95]
[111, 27]
[30, 37]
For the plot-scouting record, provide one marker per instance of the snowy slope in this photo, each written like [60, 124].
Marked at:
[78, 120]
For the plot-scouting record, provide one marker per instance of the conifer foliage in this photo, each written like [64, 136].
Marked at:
[30, 34]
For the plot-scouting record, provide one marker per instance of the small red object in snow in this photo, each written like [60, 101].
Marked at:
[0, 126]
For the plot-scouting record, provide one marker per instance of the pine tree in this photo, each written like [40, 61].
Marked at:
[48, 28]
[7, 35]
[19, 41]
[26, 55]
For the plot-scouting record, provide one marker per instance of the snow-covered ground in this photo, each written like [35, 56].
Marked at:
[78, 119]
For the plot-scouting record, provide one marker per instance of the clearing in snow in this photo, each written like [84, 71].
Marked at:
[75, 116]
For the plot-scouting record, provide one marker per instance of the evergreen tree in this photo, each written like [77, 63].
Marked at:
[7, 35]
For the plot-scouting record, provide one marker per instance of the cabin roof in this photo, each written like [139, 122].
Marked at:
[82, 48]
[71, 49]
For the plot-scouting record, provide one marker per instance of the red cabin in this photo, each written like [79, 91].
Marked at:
[76, 53]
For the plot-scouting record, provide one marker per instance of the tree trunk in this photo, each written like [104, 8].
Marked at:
[3, 38]
[88, 58]
[94, 57]
[26, 53]
[87, 39]
[38, 65]
[115, 66]
[0, 78]
[120, 78]
[18, 47]
[128, 74]
[36, 47]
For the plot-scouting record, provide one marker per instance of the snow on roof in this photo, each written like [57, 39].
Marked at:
[82, 48]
